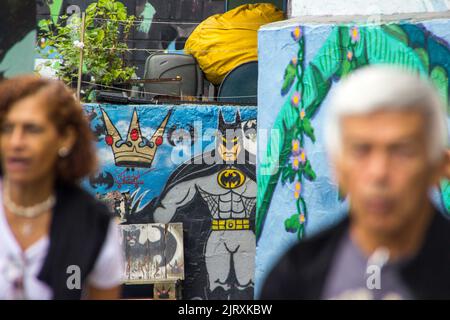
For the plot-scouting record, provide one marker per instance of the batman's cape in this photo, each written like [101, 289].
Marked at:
[204, 165]
[199, 166]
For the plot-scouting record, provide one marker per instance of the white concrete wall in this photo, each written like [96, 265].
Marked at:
[364, 7]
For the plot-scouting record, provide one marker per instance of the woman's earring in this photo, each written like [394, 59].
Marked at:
[63, 152]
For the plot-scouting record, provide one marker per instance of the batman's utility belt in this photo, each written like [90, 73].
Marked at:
[230, 224]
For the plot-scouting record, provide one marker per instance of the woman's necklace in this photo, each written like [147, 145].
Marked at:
[27, 212]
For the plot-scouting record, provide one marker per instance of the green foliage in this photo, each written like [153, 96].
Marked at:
[292, 224]
[423, 56]
[107, 28]
[289, 77]
[396, 31]
[308, 129]
[309, 172]
[440, 79]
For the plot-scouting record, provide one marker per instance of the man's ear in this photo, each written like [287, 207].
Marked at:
[441, 169]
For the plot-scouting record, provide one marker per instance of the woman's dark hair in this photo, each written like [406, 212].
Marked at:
[64, 111]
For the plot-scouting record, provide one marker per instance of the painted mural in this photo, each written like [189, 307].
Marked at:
[293, 170]
[193, 165]
[161, 25]
[17, 37]
[153, 252]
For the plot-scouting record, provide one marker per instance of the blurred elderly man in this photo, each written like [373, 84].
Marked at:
[386, 137]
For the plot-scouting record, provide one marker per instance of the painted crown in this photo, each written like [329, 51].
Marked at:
[136, 150]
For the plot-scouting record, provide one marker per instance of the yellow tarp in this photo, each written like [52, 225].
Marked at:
[223, 41]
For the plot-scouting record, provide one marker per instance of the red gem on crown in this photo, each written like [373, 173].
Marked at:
[134, 134]
[109, 140]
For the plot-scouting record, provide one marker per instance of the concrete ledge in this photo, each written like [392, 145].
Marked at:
[374, 19]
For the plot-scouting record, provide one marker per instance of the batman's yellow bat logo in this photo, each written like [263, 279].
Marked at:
[230, 178]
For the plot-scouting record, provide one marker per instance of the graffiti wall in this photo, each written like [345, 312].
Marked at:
[193, 165]
[296, 193]
[164, 24]
[17, 37]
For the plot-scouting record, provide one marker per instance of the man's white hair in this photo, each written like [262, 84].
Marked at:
[382, 87]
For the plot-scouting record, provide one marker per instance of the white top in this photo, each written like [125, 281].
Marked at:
[366, 7]
[16, 264]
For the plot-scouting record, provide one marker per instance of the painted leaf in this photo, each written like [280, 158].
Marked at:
[316, 91]
[55, 9]
[309, 130]
[285, 174]
[423, 55]
[289, 78]
[292, 224]
[309, 172]
[397, 32]
[300, 232]
[440, 79]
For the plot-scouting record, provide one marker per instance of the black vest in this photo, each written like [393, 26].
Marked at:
[301, 271]
[77, 232]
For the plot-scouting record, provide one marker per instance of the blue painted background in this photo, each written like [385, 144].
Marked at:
[150, 117]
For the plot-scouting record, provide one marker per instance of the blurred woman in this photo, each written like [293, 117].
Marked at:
[56, 240]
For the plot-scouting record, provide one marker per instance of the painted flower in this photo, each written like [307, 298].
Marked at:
[296, 149]
[298, 189]
[302, 114]
[297, 159]
[295, 162]
[302, 218]
[349, 55]
[355, 34]
[296, 33]
[295, 99]
[302, 156]
[294, 61]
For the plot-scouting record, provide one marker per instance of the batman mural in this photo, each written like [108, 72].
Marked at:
[201, 178]
[214, 195]
[105, 178]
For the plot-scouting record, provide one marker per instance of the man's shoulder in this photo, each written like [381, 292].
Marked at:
[300, 271]
[443, 221]
[310, 247]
